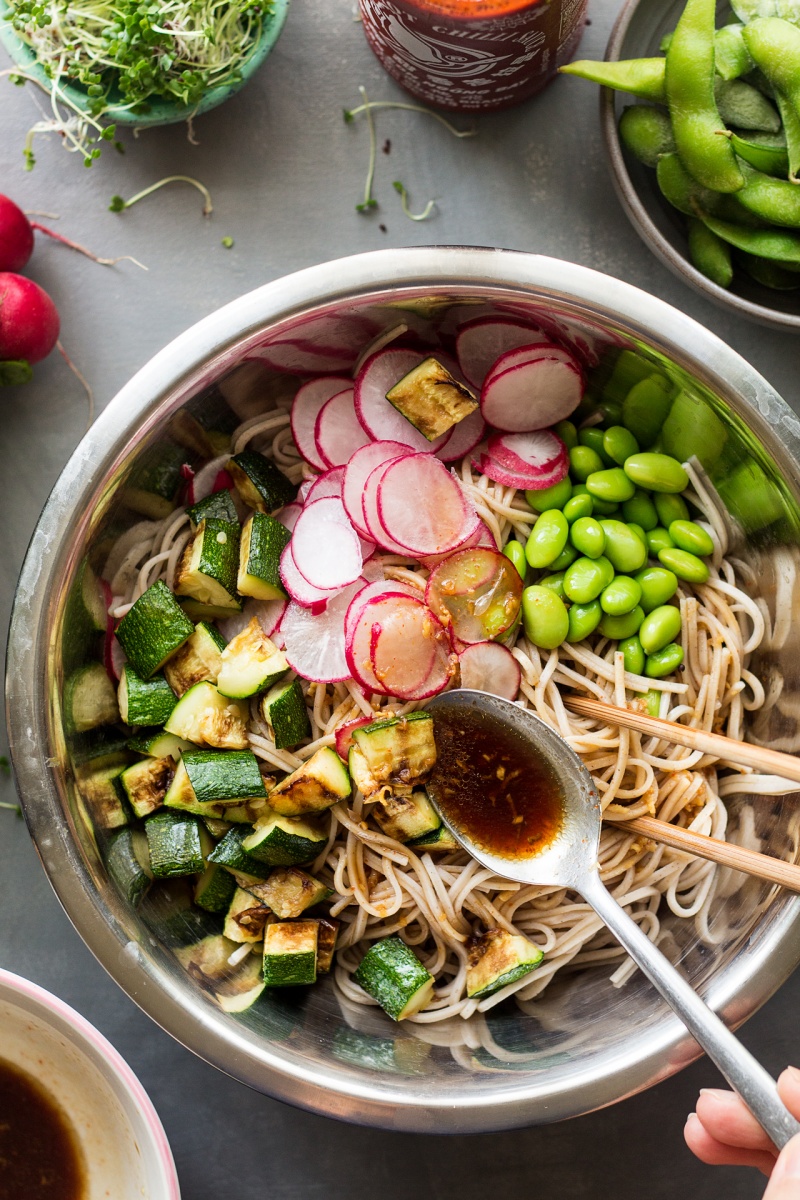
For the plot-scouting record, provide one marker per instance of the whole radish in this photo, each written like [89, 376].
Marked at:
[16, 236]
[29, 323]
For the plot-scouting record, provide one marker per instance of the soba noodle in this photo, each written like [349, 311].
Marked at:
[381, 886]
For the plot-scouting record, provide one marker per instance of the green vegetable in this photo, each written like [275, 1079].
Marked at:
[656, 472]
[583, 462]
[283, 708]
[585, 579]
[199, 659]
[145, 784]
[633, 654]
[658, 586]
[547, 539]
[259, 482]
[640, 510]
[544, 617]
[317, 785]
[684, 564]
[765, 152]
[218, 505]
[664, 662]
[660, 626]
[773, 200]
[658, 539]
[774, 46]
[174, 842]
[744, 107]
[687, 535]
[670, 508]
[710, 254]
[578, 506]
[623, 549]
[731, 58]
[620, 628]
[262, 543]
[621, 596]
[153, 629]
[393, 975]
[612, 485]
[567, 556]
[692, 428]
[515, 553]
[646, 406]
[144, 701]
[290, 953]
[639, 76]
[619, 444]
[696, 123]
[552, 497]
[498, 958]
[775, 244]
[647, 133]
[250, 663]
[587, 537]
[555, 583]
[567, 432]
[275, 840]
[208, 570]
[89, 699]
[583, 620]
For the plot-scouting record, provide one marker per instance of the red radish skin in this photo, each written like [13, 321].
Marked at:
[315, 642]
[526, 460]
[358, 471]
[329, 483]
[490, 667]
[499, 473]
[29, 324]
[379, 418]
[480, 343]
[306, 407]
[344, 735]
[297, 585]
[440, 523]
[16, 236]
[534, 392]
[464, 437]
[337, 430]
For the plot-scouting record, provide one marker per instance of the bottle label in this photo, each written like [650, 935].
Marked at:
[463, 63]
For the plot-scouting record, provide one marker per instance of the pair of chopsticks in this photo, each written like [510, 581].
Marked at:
[772, 870]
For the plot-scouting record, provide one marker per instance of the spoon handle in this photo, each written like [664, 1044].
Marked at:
[745, 1075]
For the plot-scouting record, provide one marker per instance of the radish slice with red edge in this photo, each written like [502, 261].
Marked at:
[358, 470]
[379, 418]
[314, 644]
[306, 407]
[344, 735]
[325, 547]
[490, 667]
[534, 394]
[464, 437]
[540, 458]
[268, 613]
[297, 585]
[422, 506]
[526, 354]
[480, 343]
[329, 483]
[477, 593]
[370, 511]
[338, 432]
[500, 474]
[374, 591]
[415, 639]
[288, 515]
[204, 483]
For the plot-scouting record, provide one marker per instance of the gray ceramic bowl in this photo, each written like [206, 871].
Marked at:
[586, 1044]
[637, 33]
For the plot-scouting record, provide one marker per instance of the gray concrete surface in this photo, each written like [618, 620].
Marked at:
[285, 173]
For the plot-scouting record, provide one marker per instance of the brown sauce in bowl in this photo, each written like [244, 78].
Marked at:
[39, 1159]
[494, 786]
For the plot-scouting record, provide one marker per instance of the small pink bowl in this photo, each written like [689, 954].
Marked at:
[124, 1148]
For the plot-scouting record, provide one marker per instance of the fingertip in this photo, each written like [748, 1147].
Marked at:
[789, 1089]
[715, 1153]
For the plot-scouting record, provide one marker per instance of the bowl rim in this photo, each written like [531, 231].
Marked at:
[58, 1015]
[640, 218]
[104, 922]
[163, 112]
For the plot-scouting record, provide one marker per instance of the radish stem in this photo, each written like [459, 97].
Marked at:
[371, 105]
[104, 262]
[85, 384]
[422, 216]
[118, 204]
[369, 201]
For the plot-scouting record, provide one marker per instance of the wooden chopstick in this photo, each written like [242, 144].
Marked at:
[773, 762]
[773, 870]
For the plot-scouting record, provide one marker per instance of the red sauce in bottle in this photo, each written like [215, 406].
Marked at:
[473, 55]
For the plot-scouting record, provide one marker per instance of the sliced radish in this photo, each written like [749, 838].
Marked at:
[358, 470]
[525, 354]
[377, 590]
[329, 483]
[268, 613]
[370, 509]
[325, 547]
[378, 343]
[477, 593]
[480, 535]
[481, 342]
[344, 735]
[413, 661]
[490, 667]
[338, 432]
[464, 437]
[204, 483]
[288, 515]
[306, 407]
[315, 644]
[379, 418]
[540, 458]
[297, 585]
[422, 506]
[499, 473]
[533, 394]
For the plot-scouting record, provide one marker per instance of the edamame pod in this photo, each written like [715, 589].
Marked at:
[775, 244]
[552, 497]
[579, 506]
[744, 107]
[684, 564]
[583, 620]
[515, 553]
[547, 539]
[774, 200]
[612, 485]
[696, 125]
[585, 579]
[687, 535]
[774, 46]
[639, 76]
[544, 617]
[640, 510]
[765, 152]
[646, 132]
[587, 537]
[621, 596]
[670, 508]
[626, 552]
[656, 472]
[731, 58]
[659, 627]
[632, 654]
[770, 274]
[710, 254]
[658, 586]
[664, 662]
[692, 427]
[619, 628]
[682, 191]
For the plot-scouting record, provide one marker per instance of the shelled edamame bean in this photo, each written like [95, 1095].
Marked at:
[721, 127]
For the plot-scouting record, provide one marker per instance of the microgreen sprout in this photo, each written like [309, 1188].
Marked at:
[118, 204]
[123, 54]
[373, 105]
[87, 387]
[369, 200]
[228, 243]
[104, 262]
[422, 216]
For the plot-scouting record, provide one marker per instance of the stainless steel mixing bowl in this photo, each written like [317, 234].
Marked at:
[584, 1044]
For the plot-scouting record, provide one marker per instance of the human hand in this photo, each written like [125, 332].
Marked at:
[724, 1132]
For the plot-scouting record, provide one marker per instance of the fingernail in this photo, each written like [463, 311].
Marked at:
[691, 1114]
[716, 1094]
[793, 1073]
[788, 1164]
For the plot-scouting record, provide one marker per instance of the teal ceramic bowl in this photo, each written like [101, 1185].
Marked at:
[160, 112]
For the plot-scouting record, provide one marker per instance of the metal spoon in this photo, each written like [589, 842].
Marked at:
[570, 860]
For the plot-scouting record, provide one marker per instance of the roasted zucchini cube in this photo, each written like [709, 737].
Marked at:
[146, 784]
[432, 399]
[250, 663]
[259, 482]
[219, 506]
[216, 777]
[102, 792]
[153, 629]
[128, 863]
[405, 814]
[392, 974]
[199, 659]
[318, 784]
[144, 701]
[290, 953]
[283, 841]
[289, 892]
[89, 699]
[206, 718]
[284, 711]
[246, 917]
[400, 750]
[497, 958]
[230, 853]
[207, 571]
[214, 889]
[263, 541]
[175, 844]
